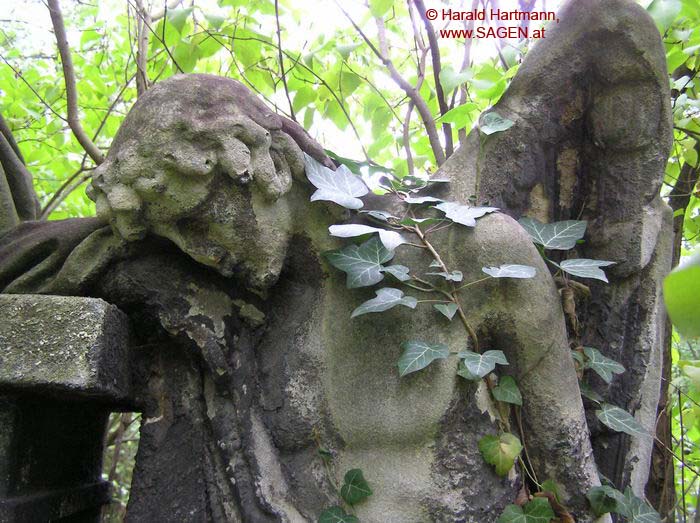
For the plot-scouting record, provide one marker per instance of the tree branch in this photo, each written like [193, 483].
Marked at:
[71, 90]
[410, 91]
[435, 58]
[281, 60]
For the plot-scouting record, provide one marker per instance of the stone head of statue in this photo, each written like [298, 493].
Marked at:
[201, 161]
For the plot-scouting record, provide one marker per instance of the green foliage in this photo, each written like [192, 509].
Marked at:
[603, 499]
[492, 122]
[507, 391]
[682, 297]
[500, 451]
[336, 515]
[606, 499]
[620, 421]
[419, 354]
[557, 235]
[601, 365]
[511, 271]
[340, 186]
[482, 364]
[536, 511]
[355, 488]
[363, 263]
[386, 299]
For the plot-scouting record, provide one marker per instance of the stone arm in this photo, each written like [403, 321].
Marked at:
[524, 318]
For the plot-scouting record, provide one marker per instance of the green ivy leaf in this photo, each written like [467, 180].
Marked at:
[481, 364]
[336, 515]
[363, 263]
[419, 354]
[390, 239]
[340, 186]
[355, 487]
[400, 272]
[585, 268]
[536, 511]
[462, 115]
[510, 271]
[589, 393]
[492, 122]
[449, 276]
[464, 214]
[682, 296]
[446, 309]
[603, 366]
[620, 420]
[386, 299]
[500, 451]
[603, 499]
[450, 79]
[379, 215]
[507, 391]
[635, 509]
[557, 235]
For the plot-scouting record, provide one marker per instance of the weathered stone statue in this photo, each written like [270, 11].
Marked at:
[245, 359]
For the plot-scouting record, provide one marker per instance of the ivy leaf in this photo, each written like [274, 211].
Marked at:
[446, 309]
[355, 487]
[500, 451]
[603, 366]
[449, 276]
[510, 271]
[588, 392]
[421, 199]
[620, 420]
[464, 214]
[336, 515]
[400, 272]
[536, 511]
[463, 372]
[340, 186]
[585, 268]
[363, 263]
[557, 235]
[603, 499]
[419, 354]
[390, 239]
[481, 364]
[434, 263]
[380, 215]
[492, 122]
[386, 299]
[636, 509]
[507, 391]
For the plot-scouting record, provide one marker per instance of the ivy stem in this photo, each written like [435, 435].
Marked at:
[473, 283]
[533, 476]
[422, 289]
[452, 295]
[415, 245]
[434, 301]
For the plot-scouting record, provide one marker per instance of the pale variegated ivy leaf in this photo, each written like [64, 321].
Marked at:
[536, 511]
[585, 268]
[492, 122]
[446, 309]
[336, 515]
[463, 372]
[464, 214]
[620, 420]
[635, 509]
[434, 263]
[510, 271]
[380, 215]
[421, 199]
[507, 391]
[355, 487]
[603, 366]
[557, 235]
[419, 354]
[362, 263]
[386, 299]
[449, 276]
[390, 239]
[481, 364]
[400, 272]
[340, 186]
[500, 451]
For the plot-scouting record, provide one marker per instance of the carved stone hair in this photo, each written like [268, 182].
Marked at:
[179, 136]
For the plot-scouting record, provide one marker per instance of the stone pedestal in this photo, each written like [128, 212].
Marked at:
[63, 369]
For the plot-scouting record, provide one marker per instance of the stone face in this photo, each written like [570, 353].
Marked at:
[65, 347]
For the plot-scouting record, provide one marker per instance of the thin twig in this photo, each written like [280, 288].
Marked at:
[281, 60]
[69, 79]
